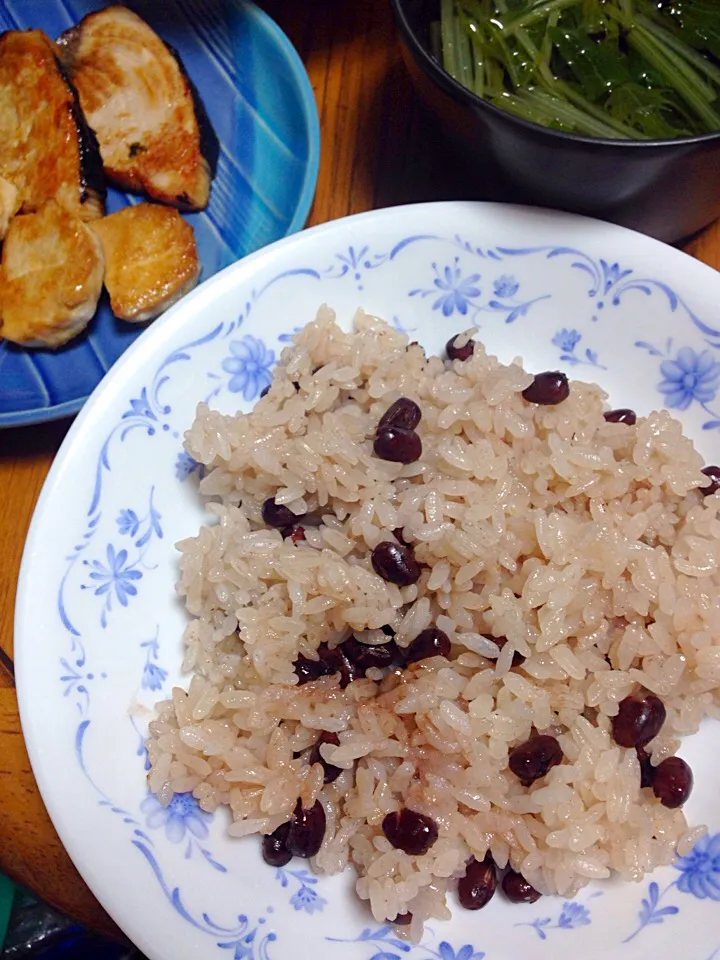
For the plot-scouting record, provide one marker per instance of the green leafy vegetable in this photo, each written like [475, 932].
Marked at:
[699, 23]
[648, 110]
[642, 69]
[599, 67]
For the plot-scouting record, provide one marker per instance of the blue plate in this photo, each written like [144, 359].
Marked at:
[261, 104]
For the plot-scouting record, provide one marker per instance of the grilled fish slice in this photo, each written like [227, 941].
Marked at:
[153, 130]
[151, 260]
[47, 150]
[50, 278]
[9, 204]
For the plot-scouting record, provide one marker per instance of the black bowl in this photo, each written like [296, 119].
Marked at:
[668, 189]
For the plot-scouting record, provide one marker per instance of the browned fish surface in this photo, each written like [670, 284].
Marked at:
[9, 204]
[46, 148]
[150, 259]
[153, 131]
[50, 278]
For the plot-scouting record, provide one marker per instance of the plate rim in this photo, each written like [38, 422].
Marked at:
[38, 415]
[245, 265]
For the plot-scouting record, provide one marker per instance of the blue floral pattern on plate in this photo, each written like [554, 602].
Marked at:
[689, 377]
[117, 576]
[249, 367]
[127, 506]
[305, 896]
[182, 815]
[699, 876]
[392, 948]
[567, 341]
[464, 295]
[700, 869]
[572, 916]
[153, 675]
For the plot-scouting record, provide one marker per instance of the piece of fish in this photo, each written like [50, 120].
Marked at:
[47, 150]
[154, 133]
[50, 278]
[9, 204]
[151, 259]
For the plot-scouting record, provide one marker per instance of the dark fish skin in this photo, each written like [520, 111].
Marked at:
[48, 150]
[209, 143]
[92, 176]
[164, 144]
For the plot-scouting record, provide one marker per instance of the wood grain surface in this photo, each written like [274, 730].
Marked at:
[377, 150]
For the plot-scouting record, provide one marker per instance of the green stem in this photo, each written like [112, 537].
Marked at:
[462, 53]
[684, 70]
[436, 40]
[544, 108]
[478, 66]
[662, 55]
[621, 130]
[547, 44]
[536, 14]
[560, 88]
[447, 32]
[468, 25]
[508, 61]
[681, 48]
[665, 64]
[494, 74]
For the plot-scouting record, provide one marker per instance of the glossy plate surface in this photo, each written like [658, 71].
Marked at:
[261, 104]
[98, 631]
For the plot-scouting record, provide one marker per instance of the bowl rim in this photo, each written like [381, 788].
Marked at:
[459, 91]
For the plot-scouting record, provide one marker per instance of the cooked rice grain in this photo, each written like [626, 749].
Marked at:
[582, 545]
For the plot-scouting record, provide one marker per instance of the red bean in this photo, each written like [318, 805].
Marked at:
[647, 771]
[365, 655]
[459, 353]
[713, 473]
[548, 389]
[672, 782]
[477, 887]
[265, 391]
[411, 832]
[517, 660]
[307, 829]
[531, 760]
[278, 515]
[517, 889]
[428, 643]
[331, 772]
[308, 670]
[328, 662]
[274, 849]
[638, 720]
[398, 445]
[403, 413]
[337, 662]
[623, 415]
[403, 919]
[295, 533]
[313, 519]
[395, 563]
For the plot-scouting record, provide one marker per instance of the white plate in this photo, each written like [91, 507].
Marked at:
[98, 629]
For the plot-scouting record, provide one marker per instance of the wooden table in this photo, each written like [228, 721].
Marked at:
[376, 151]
